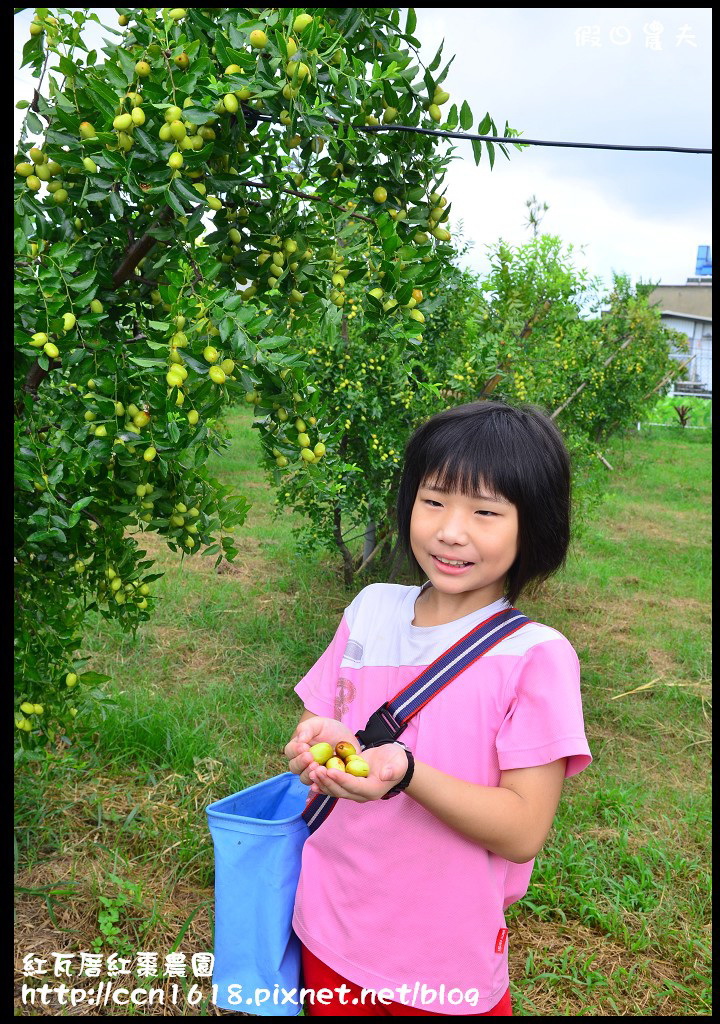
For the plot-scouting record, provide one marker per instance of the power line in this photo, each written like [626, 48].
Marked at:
[517, 140]
[506, 139]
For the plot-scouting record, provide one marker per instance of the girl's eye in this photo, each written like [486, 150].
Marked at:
[432, 503]
[485, 512]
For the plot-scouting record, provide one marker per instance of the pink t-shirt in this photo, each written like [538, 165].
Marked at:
[389, 896]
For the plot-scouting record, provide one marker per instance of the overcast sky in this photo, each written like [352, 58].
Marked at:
[634, 75]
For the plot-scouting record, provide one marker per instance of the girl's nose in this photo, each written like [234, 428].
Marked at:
[452, 529]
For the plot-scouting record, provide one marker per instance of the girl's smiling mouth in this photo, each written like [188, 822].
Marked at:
[451, 564]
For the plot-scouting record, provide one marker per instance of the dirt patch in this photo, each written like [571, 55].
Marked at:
[685, 605]
[249, 564]
[579, 955]
[242, 569]
[646, 528]
[663, 664]
[617, 617]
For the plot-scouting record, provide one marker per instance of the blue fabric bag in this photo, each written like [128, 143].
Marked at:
[258, 836]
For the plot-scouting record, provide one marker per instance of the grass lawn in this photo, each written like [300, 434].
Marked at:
[112, 848]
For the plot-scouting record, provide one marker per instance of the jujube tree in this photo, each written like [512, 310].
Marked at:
[188, 203]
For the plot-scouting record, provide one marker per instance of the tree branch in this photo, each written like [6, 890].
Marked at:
[673, 373]
[369, 558]
[397, 557]
[36, 93]
[90, 515]
[584, 384]
[337, 527]
[532, 321]
[347, 556]
[305, 195]
[139, 249]
[35, 376]
[196, 269]
[489, 387]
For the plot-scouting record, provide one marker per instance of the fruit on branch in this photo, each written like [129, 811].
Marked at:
[301, 22]
[258, 39]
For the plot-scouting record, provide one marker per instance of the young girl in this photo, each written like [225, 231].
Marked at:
[404, 885]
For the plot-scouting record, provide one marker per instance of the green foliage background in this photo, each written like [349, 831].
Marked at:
[205, 222]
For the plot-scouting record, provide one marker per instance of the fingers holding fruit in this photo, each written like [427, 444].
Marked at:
[314, 742]
[343, 757]
[360, 778]
[300, 763]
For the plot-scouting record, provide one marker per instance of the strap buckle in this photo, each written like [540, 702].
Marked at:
[382, 727]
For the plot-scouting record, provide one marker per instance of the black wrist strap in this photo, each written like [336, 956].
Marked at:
[407, 777]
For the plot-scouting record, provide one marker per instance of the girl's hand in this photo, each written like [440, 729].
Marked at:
[307, 734]
[388, 765]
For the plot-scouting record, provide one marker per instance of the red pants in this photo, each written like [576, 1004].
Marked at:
[317, 975]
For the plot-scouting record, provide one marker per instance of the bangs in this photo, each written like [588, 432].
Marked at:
[463, 478]
[467, 465]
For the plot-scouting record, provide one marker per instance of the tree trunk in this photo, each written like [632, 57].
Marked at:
[397, 560]
[345, 551]
[370, 541]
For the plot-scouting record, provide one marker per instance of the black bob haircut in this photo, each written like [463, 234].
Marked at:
[515, 451]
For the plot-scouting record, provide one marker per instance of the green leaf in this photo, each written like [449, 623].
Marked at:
[174, 203]
[226, 53]
[33, 52]
[197, 216]
[196, 115]
[34, 123]
[148, 143]
[411, 22]
[83, 282]
[485, 125]
[466, 117]
[81, 503]
[67, 67]
[444, 73]
[127, 63]
[491, 153]
[93, 678]
[54, 534]
[185, 192]
[147, 361]
[106, 96]
[435, 63]
[173, 431]
[116, 205]
[273, 343]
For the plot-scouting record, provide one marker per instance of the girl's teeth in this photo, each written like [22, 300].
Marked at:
[446, 561]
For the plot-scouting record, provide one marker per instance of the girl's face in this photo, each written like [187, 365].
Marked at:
[465, 545]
